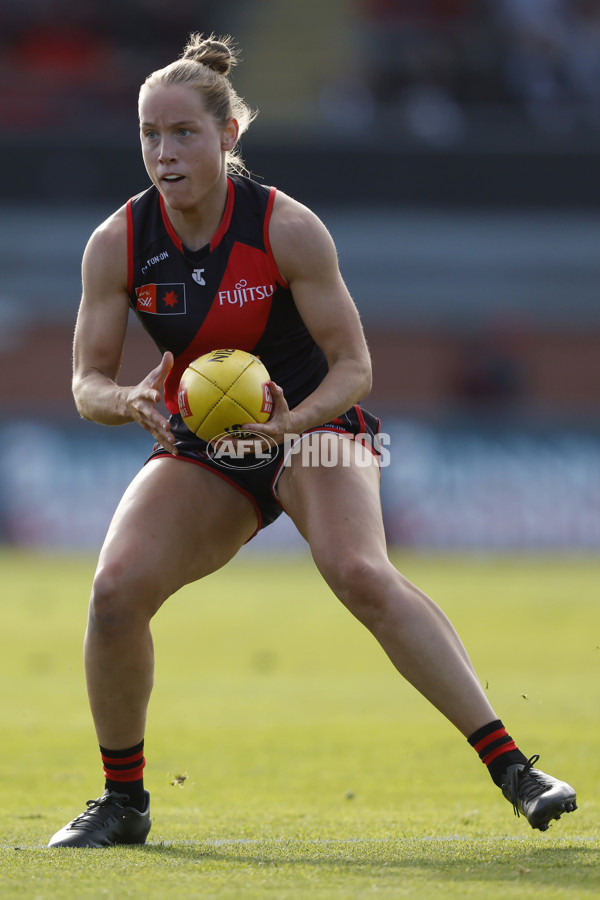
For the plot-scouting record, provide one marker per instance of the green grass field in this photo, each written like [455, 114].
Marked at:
[286, 759]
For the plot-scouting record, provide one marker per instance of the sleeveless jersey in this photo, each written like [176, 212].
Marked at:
[228, 294]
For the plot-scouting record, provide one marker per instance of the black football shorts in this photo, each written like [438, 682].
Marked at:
[254, 471]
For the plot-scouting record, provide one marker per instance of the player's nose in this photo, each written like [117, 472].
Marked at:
[166, 151]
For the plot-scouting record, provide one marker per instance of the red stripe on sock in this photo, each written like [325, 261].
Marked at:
[505, 748]
[489, 739]
[122, 760]
[128, 775]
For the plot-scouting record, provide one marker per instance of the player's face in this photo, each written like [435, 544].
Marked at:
[183, 147]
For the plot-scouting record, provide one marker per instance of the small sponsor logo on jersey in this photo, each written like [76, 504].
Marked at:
[164, 254]
[161, 299]
[245, 293]
[198, 276]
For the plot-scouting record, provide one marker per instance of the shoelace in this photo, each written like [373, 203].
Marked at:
[525, 784]
[95, 811]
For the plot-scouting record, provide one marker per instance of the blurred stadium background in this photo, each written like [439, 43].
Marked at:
[451, 146]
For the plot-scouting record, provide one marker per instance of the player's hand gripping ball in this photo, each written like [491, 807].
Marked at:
[223, 390]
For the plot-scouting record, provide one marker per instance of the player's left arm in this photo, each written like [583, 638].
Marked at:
[306, 256]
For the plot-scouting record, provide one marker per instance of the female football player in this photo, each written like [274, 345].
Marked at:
[175, 254]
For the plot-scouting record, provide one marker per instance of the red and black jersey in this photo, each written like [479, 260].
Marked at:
[230, 293]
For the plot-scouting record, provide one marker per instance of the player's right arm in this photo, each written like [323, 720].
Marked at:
[100, 337]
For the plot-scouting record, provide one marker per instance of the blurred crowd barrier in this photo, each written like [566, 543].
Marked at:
[498, 487]
[456, 485]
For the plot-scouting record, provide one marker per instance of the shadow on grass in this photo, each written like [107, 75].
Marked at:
[499, 860]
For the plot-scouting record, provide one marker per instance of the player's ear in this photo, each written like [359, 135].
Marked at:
[230, 134]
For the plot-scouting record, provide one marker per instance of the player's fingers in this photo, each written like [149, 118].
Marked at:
[257, 440]
[277, 392]
[160, 429]
[158, 375]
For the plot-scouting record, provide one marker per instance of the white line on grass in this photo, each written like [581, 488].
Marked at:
[224, 842]
[426, 839]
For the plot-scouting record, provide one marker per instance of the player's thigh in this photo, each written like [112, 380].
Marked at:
[176, 522]
[332, 495]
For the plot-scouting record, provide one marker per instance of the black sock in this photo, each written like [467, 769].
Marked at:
[496, 749]
[123, 770]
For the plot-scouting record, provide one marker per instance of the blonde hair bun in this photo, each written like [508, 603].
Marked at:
[216, 53]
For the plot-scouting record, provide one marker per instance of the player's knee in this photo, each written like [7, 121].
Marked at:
[360, 583]
[119, 599]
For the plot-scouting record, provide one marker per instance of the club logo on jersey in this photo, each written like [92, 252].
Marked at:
[243, 293]
[198, 276]
[161, 299]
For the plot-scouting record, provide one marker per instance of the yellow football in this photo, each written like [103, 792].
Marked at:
[223, 390]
